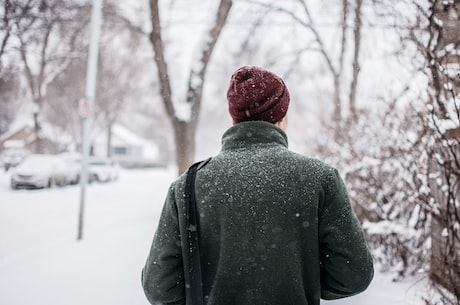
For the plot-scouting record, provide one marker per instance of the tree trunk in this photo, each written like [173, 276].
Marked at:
[337, 114]
[109, 141]
[35, 82]
[184, 130]
[357, 42]
[184, 137]
[39, 142]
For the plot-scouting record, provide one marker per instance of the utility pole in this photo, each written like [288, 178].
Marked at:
[87, 105]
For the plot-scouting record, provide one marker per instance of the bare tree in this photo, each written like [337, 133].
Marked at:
[334, 62]
[119, 73]
[5, 28]
[436, 35]
[8, 100]
[48, 39]
[8, 79]
[185, 129]
[114, 88]
[118, 79]
[63, 97]
[411, 180]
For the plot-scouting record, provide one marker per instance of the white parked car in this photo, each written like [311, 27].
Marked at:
[39, 171]
[103, 170]
[72, 163]
[13, 153]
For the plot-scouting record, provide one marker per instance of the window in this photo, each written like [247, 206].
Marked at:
[120, 150]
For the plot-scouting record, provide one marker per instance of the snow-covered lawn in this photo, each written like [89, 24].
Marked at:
[42, 263]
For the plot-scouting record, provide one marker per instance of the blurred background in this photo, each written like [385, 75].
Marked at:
[375, 91]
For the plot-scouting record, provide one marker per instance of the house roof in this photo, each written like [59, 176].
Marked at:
[14, 129]
[48, 131]
[127, 137]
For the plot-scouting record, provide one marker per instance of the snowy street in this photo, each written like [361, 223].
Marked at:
[42, 263]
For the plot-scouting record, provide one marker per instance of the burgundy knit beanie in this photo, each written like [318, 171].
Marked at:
[256, 94]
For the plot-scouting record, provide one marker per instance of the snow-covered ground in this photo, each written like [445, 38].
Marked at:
[42, 263]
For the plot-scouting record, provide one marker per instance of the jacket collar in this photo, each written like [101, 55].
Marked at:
[253, 133]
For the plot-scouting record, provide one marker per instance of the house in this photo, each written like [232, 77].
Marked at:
[126, 147]
[21, 140]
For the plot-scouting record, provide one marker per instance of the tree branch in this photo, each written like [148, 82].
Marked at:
[198, 73]
[162, 67]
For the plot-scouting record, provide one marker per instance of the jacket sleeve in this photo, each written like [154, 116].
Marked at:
[346, 263]
[163, 275]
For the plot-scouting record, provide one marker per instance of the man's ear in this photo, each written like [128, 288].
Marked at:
[282, 123]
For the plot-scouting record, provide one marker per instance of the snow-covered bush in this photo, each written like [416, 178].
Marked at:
[381, 163]
[402, 164]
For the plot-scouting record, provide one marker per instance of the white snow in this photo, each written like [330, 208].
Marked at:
[42, 263]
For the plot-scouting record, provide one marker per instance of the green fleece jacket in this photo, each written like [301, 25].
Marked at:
[275, 228]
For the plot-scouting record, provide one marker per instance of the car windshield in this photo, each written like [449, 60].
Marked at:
[36, 163]
[98, 163]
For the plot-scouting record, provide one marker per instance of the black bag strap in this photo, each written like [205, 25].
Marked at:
[194, 269]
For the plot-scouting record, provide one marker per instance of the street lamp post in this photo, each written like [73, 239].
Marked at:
[87, 105]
